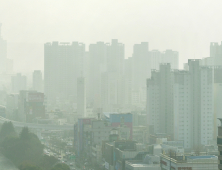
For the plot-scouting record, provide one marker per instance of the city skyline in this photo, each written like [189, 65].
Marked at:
[188, 26]
[110, 85]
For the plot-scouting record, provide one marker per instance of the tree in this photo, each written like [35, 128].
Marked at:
[24, 135]
[7, 129]
[26, 165]
[61, 166]
[26, 147]
[46, 162]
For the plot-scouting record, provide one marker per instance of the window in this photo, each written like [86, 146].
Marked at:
[219, 141]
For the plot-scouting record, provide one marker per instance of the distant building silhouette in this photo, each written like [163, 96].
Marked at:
[18, 83]
[181, 103]
[37, 81]
[63, 63]
[81, 97]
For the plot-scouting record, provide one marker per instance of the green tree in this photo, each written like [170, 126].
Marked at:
[7, 129]
[25, 135]
[26, 147]
[26, 165]
[61, 166]
[46, 162]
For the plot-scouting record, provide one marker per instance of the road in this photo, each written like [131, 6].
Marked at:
[37, 126]
[51, 153]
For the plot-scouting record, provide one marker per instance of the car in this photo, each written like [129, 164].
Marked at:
[71, 164]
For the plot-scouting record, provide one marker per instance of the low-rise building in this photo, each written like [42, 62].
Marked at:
[141, 134]
[188, 162]
[149, 162]
[118, 152]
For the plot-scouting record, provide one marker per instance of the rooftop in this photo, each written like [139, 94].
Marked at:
[136, 163]
[191, 159]
[202, 157]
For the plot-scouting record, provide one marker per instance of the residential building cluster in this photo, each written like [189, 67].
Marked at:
[135, 113]
[111, 82]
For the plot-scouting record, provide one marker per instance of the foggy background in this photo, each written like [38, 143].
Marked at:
[185, 26]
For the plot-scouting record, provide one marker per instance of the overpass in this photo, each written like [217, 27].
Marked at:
[38, 126]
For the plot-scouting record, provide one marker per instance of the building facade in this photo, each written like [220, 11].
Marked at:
[63, 63]
[37, 81]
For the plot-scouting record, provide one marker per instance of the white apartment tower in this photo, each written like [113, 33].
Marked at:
[190, 95]
[18, 82]
[81, 97]
[37, 81]
[182, 108]
[62, 65]
[216, 53]
[97, 64]
[141, 65]
[168, 56]
[160, 101]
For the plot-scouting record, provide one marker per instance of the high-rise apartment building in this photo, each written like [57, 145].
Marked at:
[128, 80]
[112, 82]
[81, 97]
[141, 65]
[216, 53]
[190, 95]
[106, 74]
[172, 57]
[182, 107]
[18, 82]
[168, 56]
[37, 81]
[159, 100]
[115, 56]
[217, 97]
[63, 63]
[112, 91]
[98, 63]
[186, 97]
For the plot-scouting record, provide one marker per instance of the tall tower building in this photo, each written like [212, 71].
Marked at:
[81, 97]
[168, 56]
[18, 83]
[183, 125]
[160, 100]
[37, 81]
[98, 63]
[106, 69]
[115, 56]
[183, 102]
[216, 53]
[172, 57]
[202, 102]
[141, 65]
[3, 52]
[62, 65]
[217, 98]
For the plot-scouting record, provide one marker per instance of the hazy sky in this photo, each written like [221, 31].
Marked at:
[187, 26]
